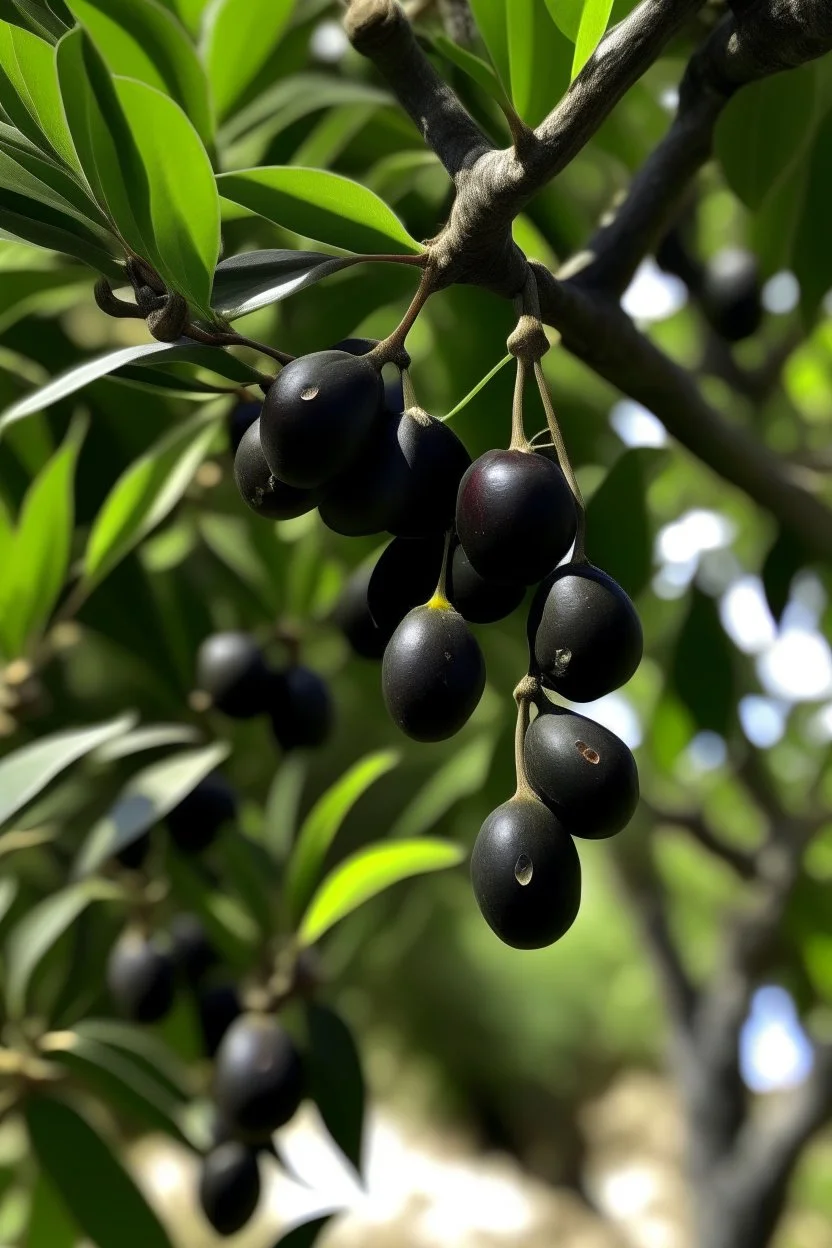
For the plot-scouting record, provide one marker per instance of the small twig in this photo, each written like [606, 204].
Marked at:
[391, 350]
[231, 339]
[692, 822]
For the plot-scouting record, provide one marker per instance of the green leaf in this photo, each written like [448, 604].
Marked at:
[39, 225]
[255, 279]
[321, 825]
[320, 205]
[144, 800]
[566, 14]
[28, 65]
[336, 1080]
[145, 494]
[305, 1235]
[368, 872]
[153, 737]
[184, 207]
[763, 131]
[490, 16]
[812, 254]
[90, 1179]
[37, 569]
[481, 384]
[144, 1048]
[239, 37]
[143, 40]
[50, 1225]
[464, 774]
[40, 19]
[539, 57]
[119, 1081]
[784, 560]
[595, 18]
[229, 927]
[51, 186]
[25, 772]
[619, 528]
[474, 66]
[703, 671]
[40, 929]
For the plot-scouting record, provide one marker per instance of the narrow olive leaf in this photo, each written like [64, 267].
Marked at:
[27, 221]
[255, 279]
[625, 551]
[332, 134]
[229, 927]
[54, 188]
[77, 378]
[305, 1235]
[145, 799]
[317, 204]
[28, 64]
[146, 493]
[540, 58]
[321, 825]
[8, 892]
[145, 1049]
[490, 16]
[39, 560]
[474, 66]
[702, 671]
[40, 929]
[595, 17]
[336, 1080]
[153, 737]
[472, 394]
[190, 12]
[566, 14]
[764, 130]
[214, 359]
[119, 1081]
[238, 38]
[40, 19]
[85, 1170]
[184, 210]
[27, 771]
[280, 817]
[464, 774]
[368, 872]
[50, 1225]
[142, 39]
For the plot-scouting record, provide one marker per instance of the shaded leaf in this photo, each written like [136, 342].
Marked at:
[50, 1225]
[368, 872]
[304, 1236]
[321, 825]
[812, 255]
[27, 771]
[336, 1080]
[782, 563]
[144, 1048]
[257, 278]
[40, 929]
[145, 799]
[317, 204]
[464, 774]
[280, 816]
[151, 738]
[239, 37]
[703, 671]
[620, 533]
[141, 39]
[145, 494]
[91, 1181]
[474, 66]
[37, 224]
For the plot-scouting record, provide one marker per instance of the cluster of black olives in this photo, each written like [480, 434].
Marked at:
[233, 672]
[469, 540]
[258, 1080]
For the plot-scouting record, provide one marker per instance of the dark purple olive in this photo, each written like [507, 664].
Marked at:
[405, 575]
[352, 615]
[526, 874]
[584, 633]
[435, 461]
[192, 952]
[193, 824]
[229, 1187]
[583, 772]
[477, 600]
[515, 516]
[241, 418]
[230, 667]
[258, 1077]
[218, 1006]
[433, 673]
[317, 414]
[301, 708]
[141, 978]
[260, 490]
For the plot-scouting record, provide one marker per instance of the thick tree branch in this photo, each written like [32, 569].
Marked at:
[379, 29]
[765, 39]
[598, 332]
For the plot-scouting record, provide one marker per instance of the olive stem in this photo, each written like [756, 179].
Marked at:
[519, 441]
[231, 339]
[420, 261]
[392, 349]
[409, 391]
[524, 789]
[579, 555]
[440, 595]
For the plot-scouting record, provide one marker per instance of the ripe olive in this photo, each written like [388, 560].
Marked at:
[241, 418]
[433, 673]
[405, 576]
[432, 461]
[526, 874]
[352, 615]
[731, 294]
[393, 389]
[133, 855]
[515, 516]
[195, 822]
[361, 500]
[258, 1077]
[584, 633]
[477, 600]
[260, 489]
[229, 1187]
[218, 1006]
[583, 772]
[141, 978]
[301, 708]
[231, 668]
[316, 415]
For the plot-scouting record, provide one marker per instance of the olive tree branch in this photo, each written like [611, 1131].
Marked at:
[765, 39]
[741, 862]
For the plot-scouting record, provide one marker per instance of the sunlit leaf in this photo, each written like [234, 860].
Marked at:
[28, 65]
[317, 204]
[464, 774]
[321, 825]
[239, 37]
[595, 18]
[368, 872]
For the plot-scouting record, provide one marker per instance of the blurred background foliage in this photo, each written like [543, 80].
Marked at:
[737, 678]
